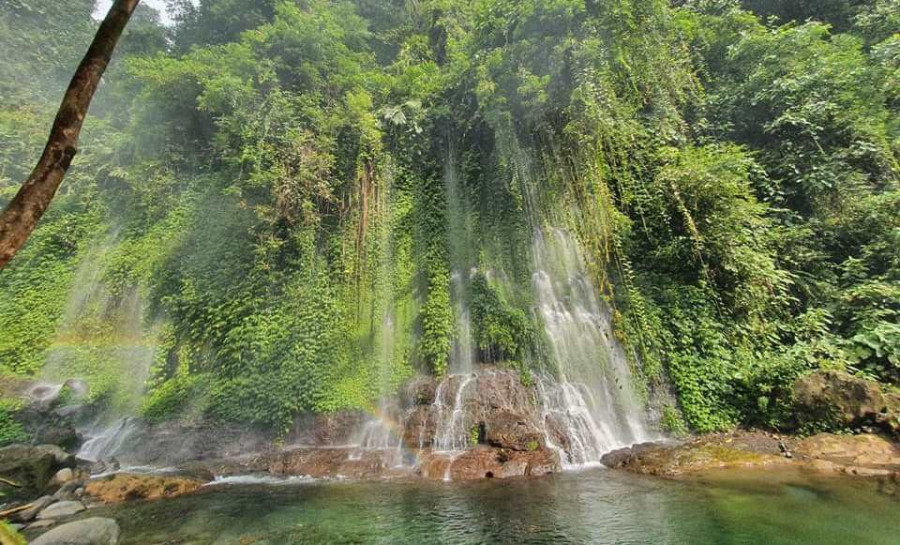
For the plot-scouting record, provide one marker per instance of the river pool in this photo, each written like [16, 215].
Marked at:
[591, 506]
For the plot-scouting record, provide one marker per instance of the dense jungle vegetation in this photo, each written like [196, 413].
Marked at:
[263, 206]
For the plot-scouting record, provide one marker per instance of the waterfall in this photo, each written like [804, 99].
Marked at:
[452, 432]
[462, 355]
[103, 342]
[106, 442]
[589, 407]
[379, 431]
[378, 434]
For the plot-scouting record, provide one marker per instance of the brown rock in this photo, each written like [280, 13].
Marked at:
[837, 400]
[420, 428]
[857, 454]
[32, 467]
[704, 454]
[125, 487]
[512, 431]
[335, 463]
[488, 463]
[493, 401]
[420, 391]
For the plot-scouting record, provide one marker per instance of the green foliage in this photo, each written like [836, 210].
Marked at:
[11, 431]
[35, 288]
[672, 422]
[10, 536]
[502, 331]
[174, 397]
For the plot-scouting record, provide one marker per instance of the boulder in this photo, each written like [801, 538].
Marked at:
[123, 487]
[61, 509]
[72, 490]
[865, 455]
[32, 467]
[837, 400]
[62, 477]
[92, 531]
[513, 431]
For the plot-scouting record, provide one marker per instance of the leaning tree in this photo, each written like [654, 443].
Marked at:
[23, 213]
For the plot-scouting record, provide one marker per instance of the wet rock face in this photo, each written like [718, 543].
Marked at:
[420, 391]
[52, 410]
[126, 487]
[509, 430]
[50, 426]
[488, 463]
[834, 399]
[323, 463]
[497, 409]
[174, 443]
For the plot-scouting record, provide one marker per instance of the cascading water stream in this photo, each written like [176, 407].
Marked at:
[106, 442]
[462, 357]
[380, 431]
[588, 404]
[452, 434]
[111, 328]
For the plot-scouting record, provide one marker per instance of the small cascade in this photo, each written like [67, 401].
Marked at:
[106, 442]
[588, 404]
[452, 433]
[378, 434]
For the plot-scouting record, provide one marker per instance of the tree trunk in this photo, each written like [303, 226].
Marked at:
[22, 214]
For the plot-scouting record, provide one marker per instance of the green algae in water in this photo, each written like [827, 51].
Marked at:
[596, 506]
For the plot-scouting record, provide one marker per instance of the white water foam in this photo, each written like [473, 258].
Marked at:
[588, 405]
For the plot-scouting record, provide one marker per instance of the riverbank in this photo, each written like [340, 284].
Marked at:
[589, 506]
[747, 456]
[864, 455]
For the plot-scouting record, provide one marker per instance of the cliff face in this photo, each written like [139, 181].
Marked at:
[293, 208]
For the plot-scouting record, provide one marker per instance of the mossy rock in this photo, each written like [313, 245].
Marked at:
[833, 400]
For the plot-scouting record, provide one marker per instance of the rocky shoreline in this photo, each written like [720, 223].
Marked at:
[70, 490]
[496, 430]
[864, 455]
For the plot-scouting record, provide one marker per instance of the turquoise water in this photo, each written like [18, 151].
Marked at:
[596, 506]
